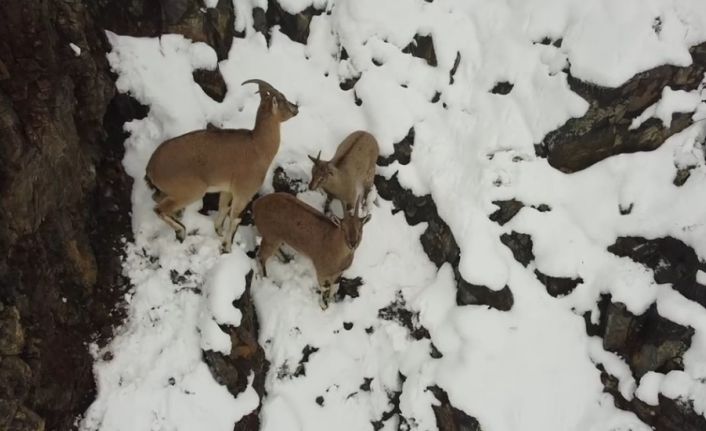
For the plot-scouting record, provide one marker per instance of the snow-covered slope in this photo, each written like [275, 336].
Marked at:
[533, 367]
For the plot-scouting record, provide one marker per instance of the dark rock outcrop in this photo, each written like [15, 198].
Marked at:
[647, 342]
[423, 47]
[604, 130]
[671, 260]
[448, 417]
[521, 246]
[502, 88]
[60, 222]
[245, 357]
[64, 215]
[667, 415]
[558, 286]
[295, 26]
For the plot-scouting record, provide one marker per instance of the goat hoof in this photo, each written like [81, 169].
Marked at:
[323, 300]
[225, 248]
[181, 236]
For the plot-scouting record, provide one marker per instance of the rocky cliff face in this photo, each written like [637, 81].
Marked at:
[65, 206]
[64, 210]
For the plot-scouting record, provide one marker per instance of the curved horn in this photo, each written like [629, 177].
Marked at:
[262, 84]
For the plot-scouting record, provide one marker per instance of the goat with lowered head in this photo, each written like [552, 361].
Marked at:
[349, 174]
[329, 243]
[233, 162]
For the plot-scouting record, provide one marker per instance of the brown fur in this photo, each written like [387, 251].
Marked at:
[230, 161]
[283, 219]
[349, 175]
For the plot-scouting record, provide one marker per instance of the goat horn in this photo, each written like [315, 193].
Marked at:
[262, 84]
[318, 156]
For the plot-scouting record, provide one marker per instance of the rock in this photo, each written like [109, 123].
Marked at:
[437, 240]
[402, 152]
[423, 47]
[558, 286]
[15, 379]
[398, 312]
[648, 342]
[502, 88]
[521, 246]
[454, 69]
[214, 26]
[282, 182]
[473, 294]
[682, 175]
[506, 210]
[296, 26]
[604, 130]
[671, 260]
[212, 83]
[348, 287]
[12, 336]
[667, 415]
[246, 357]
[26, 420]
[450, 418]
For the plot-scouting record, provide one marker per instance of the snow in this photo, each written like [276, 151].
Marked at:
[701, 277]
[671, 102]
[533, 367]
[75, 48]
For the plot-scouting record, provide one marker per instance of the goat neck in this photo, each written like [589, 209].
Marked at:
[266, 131]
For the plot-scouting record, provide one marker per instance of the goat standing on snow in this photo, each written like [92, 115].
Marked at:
[233, 162]
[283, 219]
[349, 175]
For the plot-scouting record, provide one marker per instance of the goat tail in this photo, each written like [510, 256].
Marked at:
[157, 194]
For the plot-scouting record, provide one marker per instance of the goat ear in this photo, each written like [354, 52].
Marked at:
[274, 105]
[366, 219]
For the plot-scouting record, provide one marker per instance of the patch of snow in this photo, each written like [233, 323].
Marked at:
[701, 277]
[75, 48]
[672, 101]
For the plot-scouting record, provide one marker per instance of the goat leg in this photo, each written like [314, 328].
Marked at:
[224, 199]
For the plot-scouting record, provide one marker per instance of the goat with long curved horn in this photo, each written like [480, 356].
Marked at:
[233, 162]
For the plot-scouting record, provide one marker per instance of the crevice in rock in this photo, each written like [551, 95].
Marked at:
[454, 69]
